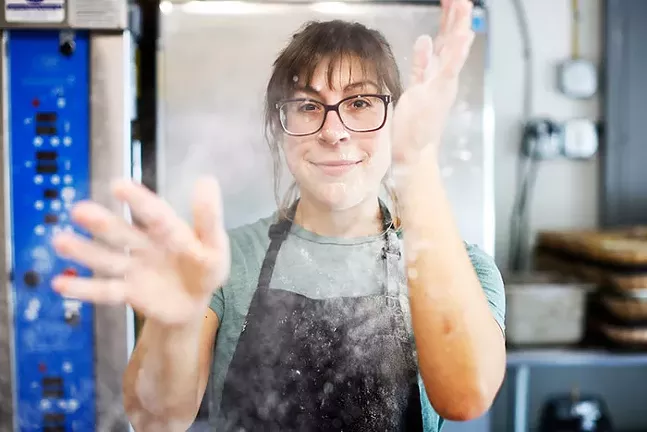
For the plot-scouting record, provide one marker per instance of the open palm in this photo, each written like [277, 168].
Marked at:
[421, 113]
[166, 269]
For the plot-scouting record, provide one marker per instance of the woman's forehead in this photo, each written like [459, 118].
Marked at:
[340, 75]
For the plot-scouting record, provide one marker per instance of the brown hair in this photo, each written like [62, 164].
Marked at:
[335, 41]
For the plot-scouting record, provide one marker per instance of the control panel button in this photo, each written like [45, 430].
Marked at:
[73, 405]
[67, 47]
[38, 179]
[31, 278]
[32, 310]
[38, 141]
[72, 318]
[72, 312]
[68, 194]
[39, 205]
[40, 253]
[67, 141]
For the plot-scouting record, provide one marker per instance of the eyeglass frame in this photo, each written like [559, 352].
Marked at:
[386, 99]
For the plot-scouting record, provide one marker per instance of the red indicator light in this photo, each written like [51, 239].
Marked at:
[35, 103]
[70, 272]
[42, 368]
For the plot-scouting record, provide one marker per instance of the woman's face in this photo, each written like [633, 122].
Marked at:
[335, 166]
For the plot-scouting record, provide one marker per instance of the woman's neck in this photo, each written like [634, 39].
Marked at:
[363, 219]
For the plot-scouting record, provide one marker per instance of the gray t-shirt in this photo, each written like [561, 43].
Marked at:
[318, 267]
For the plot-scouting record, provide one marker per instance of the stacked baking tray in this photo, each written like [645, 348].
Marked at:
[616, 261]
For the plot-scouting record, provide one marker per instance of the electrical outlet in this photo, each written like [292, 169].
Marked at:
[580, 139]
[542, 139]
[577, 78]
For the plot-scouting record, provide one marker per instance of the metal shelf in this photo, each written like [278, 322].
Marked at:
[561, 357]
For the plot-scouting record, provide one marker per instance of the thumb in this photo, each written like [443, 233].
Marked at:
[207, 213]
[422, 56]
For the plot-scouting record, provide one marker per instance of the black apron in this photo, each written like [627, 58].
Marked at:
[339, 364]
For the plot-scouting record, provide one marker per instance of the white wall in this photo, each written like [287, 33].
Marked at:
[565, 195]
[566, 192]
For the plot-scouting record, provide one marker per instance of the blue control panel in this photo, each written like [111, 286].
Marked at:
[49, 135]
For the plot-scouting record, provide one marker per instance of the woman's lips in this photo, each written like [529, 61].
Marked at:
[336, 168]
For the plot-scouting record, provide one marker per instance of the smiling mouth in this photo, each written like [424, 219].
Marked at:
[336, 168]
[338, 163]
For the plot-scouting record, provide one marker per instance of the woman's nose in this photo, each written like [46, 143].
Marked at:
[333, 130]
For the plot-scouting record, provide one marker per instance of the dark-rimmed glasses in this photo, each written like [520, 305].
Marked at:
[359, 113]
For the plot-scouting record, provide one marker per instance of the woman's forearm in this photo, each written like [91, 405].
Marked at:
[461, 348]
[162, 381]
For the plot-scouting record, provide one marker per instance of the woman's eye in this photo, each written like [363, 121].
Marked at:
[361, 103]
[308, 107]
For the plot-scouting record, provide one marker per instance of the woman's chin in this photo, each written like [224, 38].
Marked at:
[340, 196]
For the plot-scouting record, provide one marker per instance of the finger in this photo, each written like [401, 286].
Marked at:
[458, 40]
[100, 291]
[447, 25]
[455, 55]
[90, 254]
[207, 213]
[158, 219]
[422, 56]
[463, 18]
[445, 7]
[107, 226]
[452, 10]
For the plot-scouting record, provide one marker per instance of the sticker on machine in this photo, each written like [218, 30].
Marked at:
[34, 11]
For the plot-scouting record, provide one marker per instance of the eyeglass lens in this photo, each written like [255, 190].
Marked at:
[358, 114]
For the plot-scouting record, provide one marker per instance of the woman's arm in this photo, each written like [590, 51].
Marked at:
[168, 373]
[461, 348]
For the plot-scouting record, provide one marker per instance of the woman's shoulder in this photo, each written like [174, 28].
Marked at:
[478, 256]
[251, 236]
[488, 274]
[248, 244]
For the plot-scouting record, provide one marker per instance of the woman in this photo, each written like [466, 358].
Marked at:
[311, 319]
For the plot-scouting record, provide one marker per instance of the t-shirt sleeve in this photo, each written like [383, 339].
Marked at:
[218, 303]
[237, 271]
[491, 281]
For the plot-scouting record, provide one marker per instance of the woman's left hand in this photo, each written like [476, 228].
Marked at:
[422, 111]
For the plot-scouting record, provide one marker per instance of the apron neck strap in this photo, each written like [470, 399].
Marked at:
[283, 225]
[279, 231]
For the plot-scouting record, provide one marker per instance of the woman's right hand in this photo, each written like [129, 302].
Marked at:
[165, 269]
